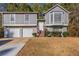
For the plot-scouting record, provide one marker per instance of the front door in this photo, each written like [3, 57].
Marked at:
[41, 26]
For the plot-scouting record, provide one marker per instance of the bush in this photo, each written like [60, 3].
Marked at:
[56, 34]
[49, 34]
[34, 34]
[66, 34]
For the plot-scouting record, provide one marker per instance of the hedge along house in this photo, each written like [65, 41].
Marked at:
[23, 24]
[56, 19]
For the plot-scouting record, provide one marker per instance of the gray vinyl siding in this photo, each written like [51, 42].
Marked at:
[46, 18]
[33, 19]
[56, 29]
[6, 18]
[64, 17]
[20, 19]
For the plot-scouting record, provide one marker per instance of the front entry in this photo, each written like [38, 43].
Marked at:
[41, 28]
[41, 25]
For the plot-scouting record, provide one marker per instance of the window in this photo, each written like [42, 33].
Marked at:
[51, 18]
[12, 17]
[57, 29]
[57, 17]
[26, 17]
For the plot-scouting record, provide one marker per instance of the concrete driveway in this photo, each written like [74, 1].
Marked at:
[11, 48]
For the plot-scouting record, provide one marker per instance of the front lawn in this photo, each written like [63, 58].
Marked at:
[51, 46]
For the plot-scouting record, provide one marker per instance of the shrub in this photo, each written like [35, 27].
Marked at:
[66, 34]
[34, 34]
[50, 34]
[47, 33]
[56, 34]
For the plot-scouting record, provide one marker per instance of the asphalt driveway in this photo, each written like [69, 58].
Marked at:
[2, 42]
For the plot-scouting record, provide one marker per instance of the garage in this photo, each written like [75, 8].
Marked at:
[14, 32]
[27, 32]
[19, 32]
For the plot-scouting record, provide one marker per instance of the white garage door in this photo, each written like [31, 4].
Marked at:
[27, 32]
[14, 32]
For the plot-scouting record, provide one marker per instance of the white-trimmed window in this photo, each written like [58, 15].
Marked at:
[57, 17]
[51, 18]
[26, 17]
[12, 17]
[57, 29]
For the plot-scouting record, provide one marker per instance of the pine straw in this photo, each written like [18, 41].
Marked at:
[54, 46]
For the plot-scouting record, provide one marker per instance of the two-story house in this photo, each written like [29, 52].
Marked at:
[19, 24]
[23, 24]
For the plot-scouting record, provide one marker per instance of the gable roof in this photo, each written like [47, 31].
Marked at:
[56, 6]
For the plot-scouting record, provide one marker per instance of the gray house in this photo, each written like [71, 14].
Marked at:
[23, 24]
[19, 24]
